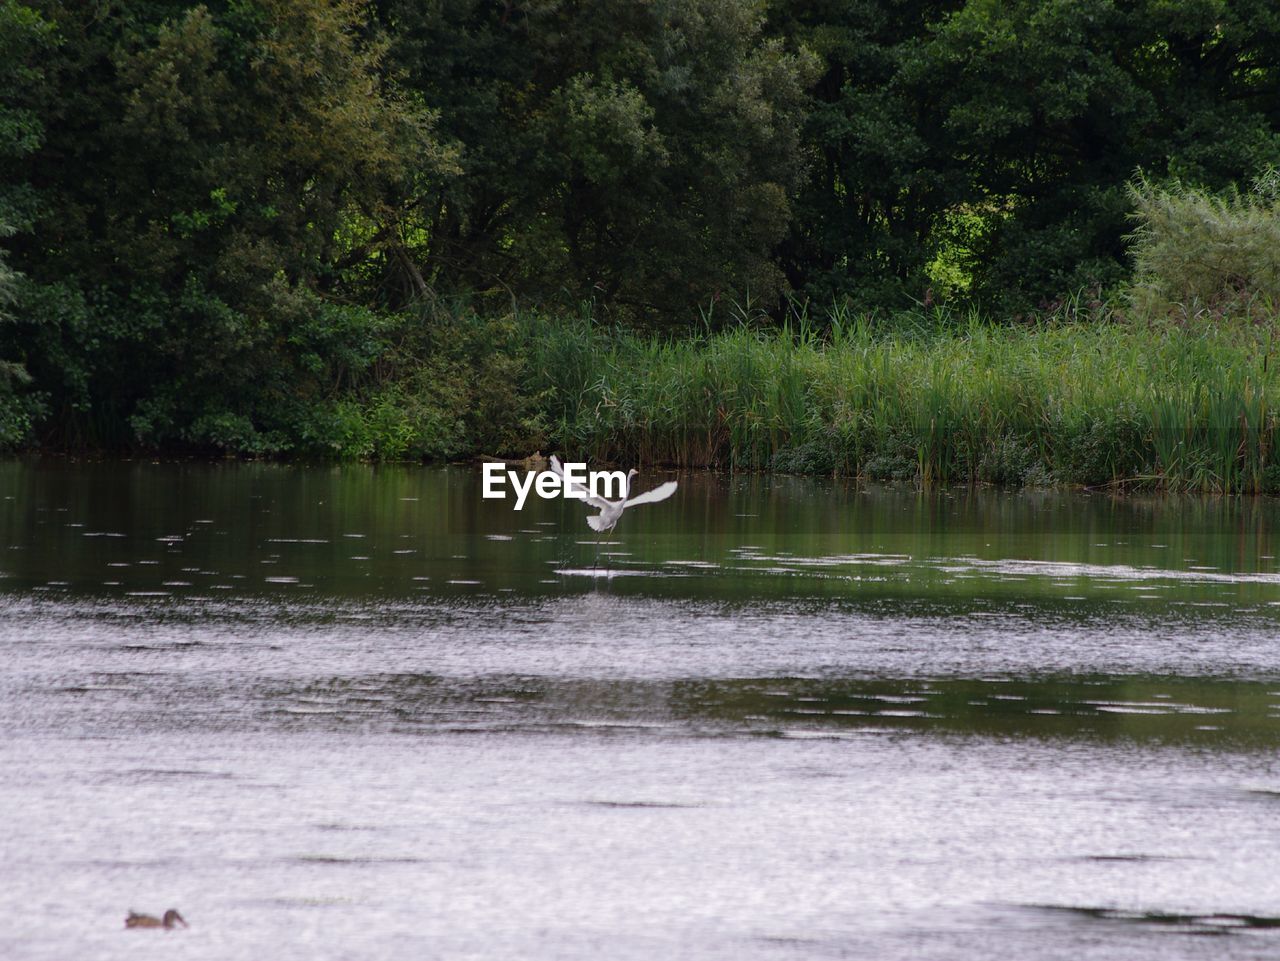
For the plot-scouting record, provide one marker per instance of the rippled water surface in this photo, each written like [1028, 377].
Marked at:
[364, 713]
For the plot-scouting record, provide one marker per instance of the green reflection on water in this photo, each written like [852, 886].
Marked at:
[183, 529]
[1095, 707]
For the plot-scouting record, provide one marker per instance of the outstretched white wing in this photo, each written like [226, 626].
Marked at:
[557, 468]
[575, 489]
[659, 493]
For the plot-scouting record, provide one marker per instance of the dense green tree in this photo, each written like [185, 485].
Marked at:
[881, 177]
[986, 144]
[204, 176]
[24, 40]
[640, 154]
[1053, 104]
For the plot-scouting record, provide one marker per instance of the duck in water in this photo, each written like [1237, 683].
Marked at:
[170, 920]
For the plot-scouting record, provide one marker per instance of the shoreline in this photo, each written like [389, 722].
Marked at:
[1101, 405]
[1131, 490]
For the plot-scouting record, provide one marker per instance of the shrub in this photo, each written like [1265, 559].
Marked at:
[1197, 253]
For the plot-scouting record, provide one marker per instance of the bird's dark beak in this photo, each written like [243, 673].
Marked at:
[180, 919]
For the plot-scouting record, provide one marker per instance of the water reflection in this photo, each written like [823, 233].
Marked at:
[187, 530]
[1221, 712]
[1174, 923]
[776, 718]
[1217, 711]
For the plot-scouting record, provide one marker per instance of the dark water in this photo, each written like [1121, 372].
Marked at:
[363, 713]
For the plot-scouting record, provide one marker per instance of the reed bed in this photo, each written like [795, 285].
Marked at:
[957, 401]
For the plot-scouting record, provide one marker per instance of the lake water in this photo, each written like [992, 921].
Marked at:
[363, 713]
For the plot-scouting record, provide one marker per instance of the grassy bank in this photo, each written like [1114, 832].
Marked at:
[931, 400]
[1173, 406]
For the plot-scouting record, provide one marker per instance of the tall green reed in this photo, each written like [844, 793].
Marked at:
[941, 400]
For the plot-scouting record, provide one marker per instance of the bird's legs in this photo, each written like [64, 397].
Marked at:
[596, 563]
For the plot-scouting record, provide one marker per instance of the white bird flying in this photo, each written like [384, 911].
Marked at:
[611, 511]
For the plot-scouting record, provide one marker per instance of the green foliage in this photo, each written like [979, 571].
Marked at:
[984, 147]
[640, 154]
[454, 388]
[199, 177]
[1113, 405]
[24, 39]
[1198, 254]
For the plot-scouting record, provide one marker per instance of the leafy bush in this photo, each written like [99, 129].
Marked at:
[18, 410]
[1197, 253]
